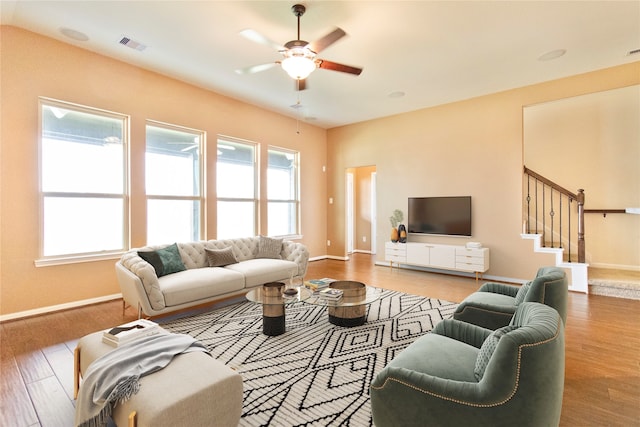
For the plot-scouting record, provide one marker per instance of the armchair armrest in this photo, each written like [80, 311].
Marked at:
[499, 288]
[462, 331]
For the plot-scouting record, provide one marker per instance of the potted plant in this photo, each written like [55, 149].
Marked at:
[395, 220]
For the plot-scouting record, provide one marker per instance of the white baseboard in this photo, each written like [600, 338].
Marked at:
[615, 266]
[321, 257]
[59, 307]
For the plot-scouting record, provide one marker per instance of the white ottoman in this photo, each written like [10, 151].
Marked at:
[194, 389]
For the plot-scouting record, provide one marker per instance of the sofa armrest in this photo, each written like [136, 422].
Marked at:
[499, 288]
[138, 267]
[298, 253]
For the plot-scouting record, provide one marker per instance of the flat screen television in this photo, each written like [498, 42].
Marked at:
[448, 216]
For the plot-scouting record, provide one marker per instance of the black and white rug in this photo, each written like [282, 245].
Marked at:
[315, 374]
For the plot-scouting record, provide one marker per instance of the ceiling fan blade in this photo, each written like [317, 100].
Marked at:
[300, 84]
[256, 37]
[326, 41]
[256, 68]
[334, 66]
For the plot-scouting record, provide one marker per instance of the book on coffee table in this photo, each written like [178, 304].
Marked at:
[316, 284]
[130, 331]
[330, 294]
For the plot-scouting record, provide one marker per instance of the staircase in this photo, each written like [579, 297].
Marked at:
[578, 271]
[554, 222]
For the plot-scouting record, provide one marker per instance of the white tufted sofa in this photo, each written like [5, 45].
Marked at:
[199, 283]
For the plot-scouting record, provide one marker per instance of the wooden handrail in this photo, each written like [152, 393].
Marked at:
[579, 197]
[604, 212]
[550, 183]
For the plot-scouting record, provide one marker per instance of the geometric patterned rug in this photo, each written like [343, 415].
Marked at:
[316, 373]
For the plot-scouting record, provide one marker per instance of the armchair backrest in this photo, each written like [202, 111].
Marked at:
[527, 365]
[550, 287]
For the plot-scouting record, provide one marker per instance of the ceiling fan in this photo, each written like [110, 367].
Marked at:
[299, 57]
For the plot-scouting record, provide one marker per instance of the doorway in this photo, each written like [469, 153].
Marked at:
[361, 216]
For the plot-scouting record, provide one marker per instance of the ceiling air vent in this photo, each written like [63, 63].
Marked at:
[633, 52]
[132, 44]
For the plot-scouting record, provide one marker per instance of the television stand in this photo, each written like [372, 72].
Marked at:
[444, 257]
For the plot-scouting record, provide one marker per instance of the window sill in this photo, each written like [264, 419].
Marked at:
[75, 259]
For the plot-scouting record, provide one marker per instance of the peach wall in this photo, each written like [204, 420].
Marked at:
[473, 147]
[35, 66]
[599, 134]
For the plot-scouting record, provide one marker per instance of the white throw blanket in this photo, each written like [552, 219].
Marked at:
[115, 376]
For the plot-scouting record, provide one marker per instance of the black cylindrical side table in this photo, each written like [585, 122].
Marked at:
[273, 309]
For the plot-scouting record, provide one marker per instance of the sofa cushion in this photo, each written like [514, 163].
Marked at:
[198, 283]
[263, 270]
[269, 248]
[221, 257]
[164, 261]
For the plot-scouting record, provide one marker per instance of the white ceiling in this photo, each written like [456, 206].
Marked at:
[434, 51]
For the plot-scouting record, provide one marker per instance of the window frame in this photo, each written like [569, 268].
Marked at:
[221, 139]
[201, 198]
[76, 257]
[296, 200]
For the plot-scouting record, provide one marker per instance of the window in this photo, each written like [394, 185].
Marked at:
[82, 181]
[237, 189]
[173, 179]
[282, 191]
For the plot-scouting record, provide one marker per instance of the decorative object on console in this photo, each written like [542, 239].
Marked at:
[402, 233]
[396, 219]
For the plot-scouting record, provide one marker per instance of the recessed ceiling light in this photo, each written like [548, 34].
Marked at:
[396, 94]
[75, 35]
[552, 54]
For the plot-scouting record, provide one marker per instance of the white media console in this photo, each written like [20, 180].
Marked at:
[445, 257]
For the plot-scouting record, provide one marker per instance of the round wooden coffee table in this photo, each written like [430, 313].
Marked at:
[351, 309]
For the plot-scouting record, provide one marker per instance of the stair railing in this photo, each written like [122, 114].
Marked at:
[543, 196]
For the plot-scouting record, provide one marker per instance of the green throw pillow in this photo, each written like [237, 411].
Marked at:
[488, 347]
[164, 261]
[221, 257]
[269, 248]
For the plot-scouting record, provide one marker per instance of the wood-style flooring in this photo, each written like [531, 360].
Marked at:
[602, 380]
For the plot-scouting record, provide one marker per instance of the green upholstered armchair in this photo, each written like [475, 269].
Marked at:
[462, 374]
[493, 305]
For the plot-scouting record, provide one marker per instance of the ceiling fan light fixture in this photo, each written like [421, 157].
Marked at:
[298, 64]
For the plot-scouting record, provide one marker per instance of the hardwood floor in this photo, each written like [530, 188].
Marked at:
[602, 380]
